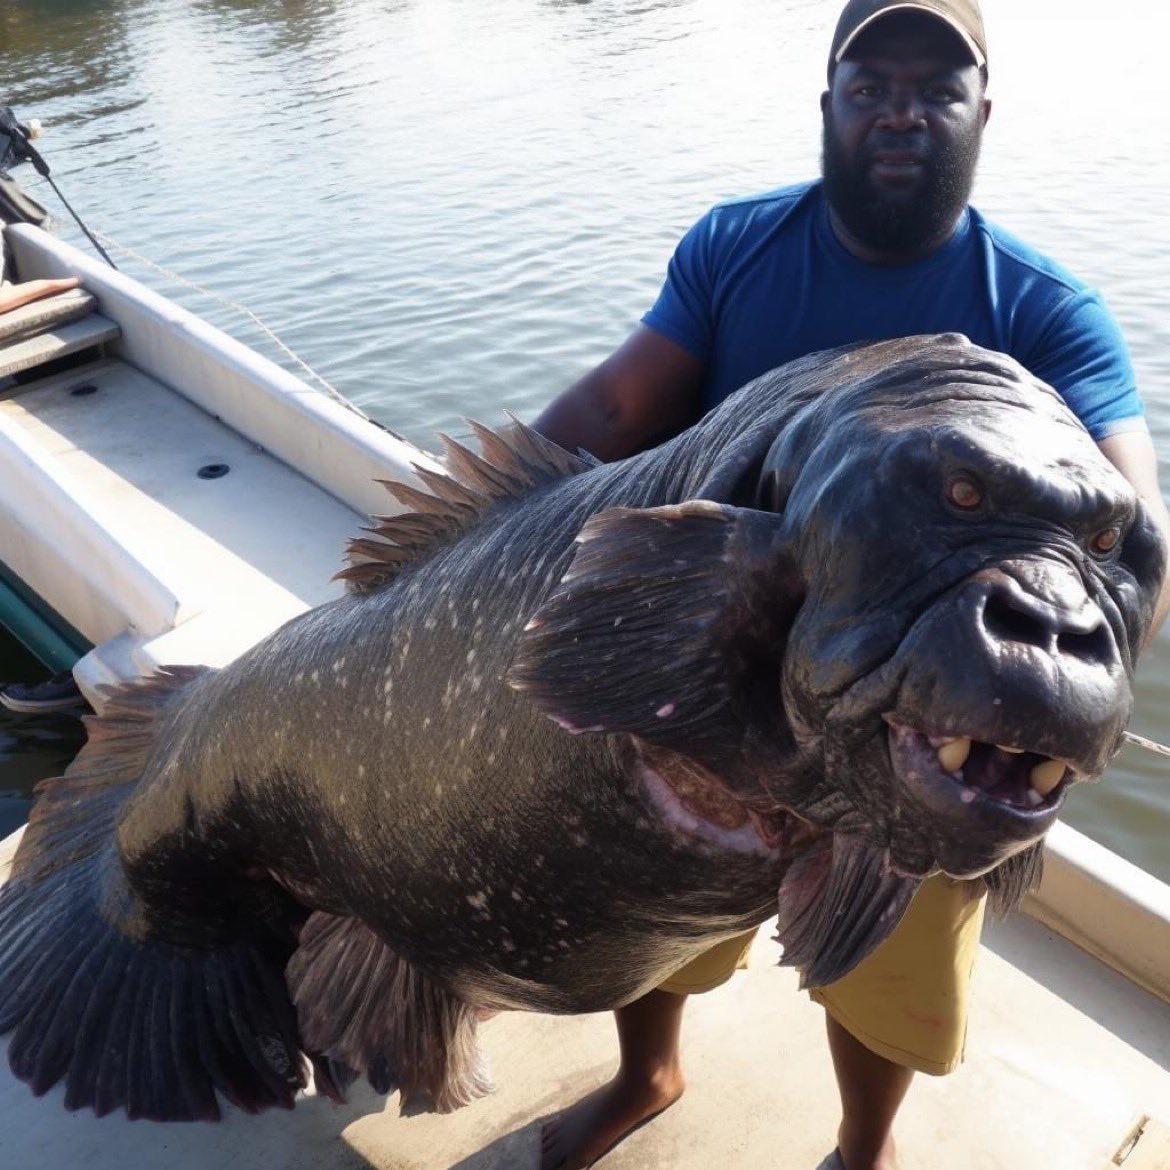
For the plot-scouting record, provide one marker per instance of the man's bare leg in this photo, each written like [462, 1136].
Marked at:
[872, 1088]
[649, 1080]
[12, 296]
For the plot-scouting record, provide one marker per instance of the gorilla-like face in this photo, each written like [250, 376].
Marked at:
[979, 581]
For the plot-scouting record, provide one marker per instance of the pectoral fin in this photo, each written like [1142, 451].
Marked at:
[669, 624]
[837, 903]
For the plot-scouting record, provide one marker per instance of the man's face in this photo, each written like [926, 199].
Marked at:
[903, 122]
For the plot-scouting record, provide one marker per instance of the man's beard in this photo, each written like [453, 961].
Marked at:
[900, 224]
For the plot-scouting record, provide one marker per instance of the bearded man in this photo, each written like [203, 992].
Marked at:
[884, 246]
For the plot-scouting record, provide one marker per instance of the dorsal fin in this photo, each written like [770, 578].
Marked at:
[511, 462]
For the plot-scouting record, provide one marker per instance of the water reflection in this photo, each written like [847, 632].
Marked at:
[32, 747]
[278, 25]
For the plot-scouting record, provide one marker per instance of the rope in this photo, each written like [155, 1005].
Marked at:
[332, 391]
[1159, 749]
[69, 208]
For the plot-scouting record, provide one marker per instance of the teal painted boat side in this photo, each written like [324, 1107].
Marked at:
[41, 630]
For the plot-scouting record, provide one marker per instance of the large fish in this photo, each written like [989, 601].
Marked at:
[867, 621]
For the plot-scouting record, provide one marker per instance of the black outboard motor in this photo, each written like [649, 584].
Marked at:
[16, 204]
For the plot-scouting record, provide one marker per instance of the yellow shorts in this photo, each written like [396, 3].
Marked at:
[908, 1000]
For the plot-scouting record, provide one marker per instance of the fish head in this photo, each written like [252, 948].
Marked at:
[906, 608]
[978, 582]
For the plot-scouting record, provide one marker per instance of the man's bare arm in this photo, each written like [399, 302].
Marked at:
[646, 391]
[1132, 453]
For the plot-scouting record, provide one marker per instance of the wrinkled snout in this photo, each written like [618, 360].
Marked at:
[1043, 614]
[1021, 655]
[1015, 686]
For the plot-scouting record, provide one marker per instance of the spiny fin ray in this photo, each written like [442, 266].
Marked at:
[512, 461]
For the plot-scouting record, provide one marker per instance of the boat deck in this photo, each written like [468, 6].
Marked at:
[118, 461]
[1064, 1058]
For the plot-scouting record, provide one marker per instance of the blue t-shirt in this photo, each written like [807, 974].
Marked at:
[758, 282]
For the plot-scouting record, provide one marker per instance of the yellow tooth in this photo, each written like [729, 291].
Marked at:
[1011, 751]
[1046, 776]
[952, 756]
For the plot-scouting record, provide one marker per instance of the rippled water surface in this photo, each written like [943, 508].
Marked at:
[450, 208]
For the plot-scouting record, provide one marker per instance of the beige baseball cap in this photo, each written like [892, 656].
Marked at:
[962, 15]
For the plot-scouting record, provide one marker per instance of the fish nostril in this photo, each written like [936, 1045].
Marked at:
[1007, 623]
[1094, 646]
[1012, 618]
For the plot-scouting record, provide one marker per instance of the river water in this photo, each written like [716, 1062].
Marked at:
[452, 208]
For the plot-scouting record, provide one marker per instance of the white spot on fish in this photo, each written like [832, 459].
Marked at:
[478, 901]
[967, 795]
[315, 676]
[665, 711]
[470, 656]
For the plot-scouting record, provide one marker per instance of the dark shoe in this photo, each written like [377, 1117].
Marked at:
[55, 694]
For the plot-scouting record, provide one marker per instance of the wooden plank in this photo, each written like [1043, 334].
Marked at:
[47, 313]
[46, 347]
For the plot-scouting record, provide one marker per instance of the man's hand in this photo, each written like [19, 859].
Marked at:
[1132, 453]
[12, 296]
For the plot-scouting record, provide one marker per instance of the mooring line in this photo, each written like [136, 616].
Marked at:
[1159, 749]
[329, 389]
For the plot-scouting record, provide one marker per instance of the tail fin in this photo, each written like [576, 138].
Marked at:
[90, 992]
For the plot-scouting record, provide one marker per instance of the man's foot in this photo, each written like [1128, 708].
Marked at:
[59, 693]
[578, 1136]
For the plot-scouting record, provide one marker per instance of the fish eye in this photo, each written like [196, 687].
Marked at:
[965, 492]
[1104, 542]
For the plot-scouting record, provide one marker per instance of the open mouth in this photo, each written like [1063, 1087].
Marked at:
[691, 801]
[977, 772]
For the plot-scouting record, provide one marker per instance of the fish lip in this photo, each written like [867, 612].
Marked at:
[942, 793]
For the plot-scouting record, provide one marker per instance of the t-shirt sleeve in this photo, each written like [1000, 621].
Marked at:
[684, 311]
[1083, 355]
